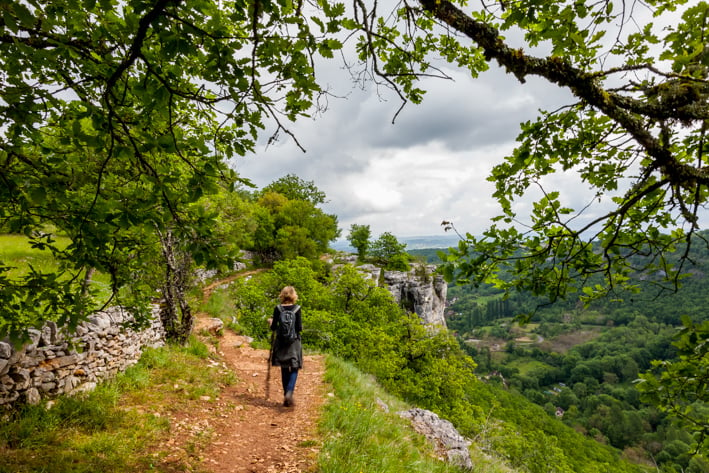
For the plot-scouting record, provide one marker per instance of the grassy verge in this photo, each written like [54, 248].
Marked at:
[16, 252]
[19, 255]
[361, 437]
[122, 426]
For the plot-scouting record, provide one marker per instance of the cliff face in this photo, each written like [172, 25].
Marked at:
[419, 291]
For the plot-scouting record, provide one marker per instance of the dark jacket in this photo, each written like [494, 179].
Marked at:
[287, 354]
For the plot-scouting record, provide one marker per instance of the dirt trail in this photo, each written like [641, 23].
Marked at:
[209, 288]
[257, 434]
[252, 433]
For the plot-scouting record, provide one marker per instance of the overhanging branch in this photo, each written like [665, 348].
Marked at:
[582, 84]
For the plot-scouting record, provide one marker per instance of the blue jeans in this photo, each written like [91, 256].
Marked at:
[288, 378]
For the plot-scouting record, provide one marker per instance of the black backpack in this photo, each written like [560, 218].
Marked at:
[286, 326]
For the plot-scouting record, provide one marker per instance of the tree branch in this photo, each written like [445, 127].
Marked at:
[583, 85]
[138, 40]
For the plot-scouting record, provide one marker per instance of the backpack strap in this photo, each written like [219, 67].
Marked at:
[294, 309]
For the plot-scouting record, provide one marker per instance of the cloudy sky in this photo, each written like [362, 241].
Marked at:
[430, 165]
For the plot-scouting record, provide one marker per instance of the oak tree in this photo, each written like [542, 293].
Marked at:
[359, 238]
[635, 133]
[118, 115]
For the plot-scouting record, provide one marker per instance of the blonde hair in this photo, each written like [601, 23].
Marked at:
[288, 295]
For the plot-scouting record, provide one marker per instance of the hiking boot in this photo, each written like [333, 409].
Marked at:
[288, 399]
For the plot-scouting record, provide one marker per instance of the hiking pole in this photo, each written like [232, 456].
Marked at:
[268, 369]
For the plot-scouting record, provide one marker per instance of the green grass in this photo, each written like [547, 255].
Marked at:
[525, 365]
[17, 254]
[220, 304]
[122, 426]
[527, 328]
[361, 437]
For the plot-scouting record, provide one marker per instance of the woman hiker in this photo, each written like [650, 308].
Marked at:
[287, 351]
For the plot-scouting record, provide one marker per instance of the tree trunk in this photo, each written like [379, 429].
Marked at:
[175, 312]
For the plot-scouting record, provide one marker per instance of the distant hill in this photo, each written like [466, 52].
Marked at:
[412, 243]
[425, 242]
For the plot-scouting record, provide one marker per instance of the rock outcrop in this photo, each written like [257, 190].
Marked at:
[420, 290]
[446, 440]
[370, 271]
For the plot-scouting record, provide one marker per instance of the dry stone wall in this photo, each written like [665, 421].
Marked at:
[55, 363]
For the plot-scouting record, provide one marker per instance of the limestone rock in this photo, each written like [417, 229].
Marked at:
[370, 271]
[100, 320]
[5, 350]
[32, 396]
[421, 291]
[211, 325]
[49, 334]
[446, 440]
[203, 275]
[34, 335]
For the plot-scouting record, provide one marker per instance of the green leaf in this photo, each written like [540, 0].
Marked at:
[24, 15]
[38, 194]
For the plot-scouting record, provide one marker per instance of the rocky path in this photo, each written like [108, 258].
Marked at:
[256, 433]
[250, 432]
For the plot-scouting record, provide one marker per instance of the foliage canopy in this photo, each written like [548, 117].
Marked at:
[98, 94]
[118, 116]
[635, 135]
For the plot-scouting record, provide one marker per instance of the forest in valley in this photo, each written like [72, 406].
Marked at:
[584, 364]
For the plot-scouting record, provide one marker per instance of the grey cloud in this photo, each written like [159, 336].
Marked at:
[405, 178]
